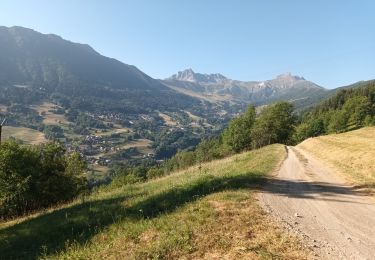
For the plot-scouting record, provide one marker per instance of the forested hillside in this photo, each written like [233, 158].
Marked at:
[348, 109]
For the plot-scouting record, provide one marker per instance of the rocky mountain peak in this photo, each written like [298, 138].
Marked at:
[190, 76]
[289, 76]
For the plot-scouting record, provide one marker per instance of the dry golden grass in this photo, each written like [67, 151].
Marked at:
[27, 135]
[352, 153]
[167, 119]
[50, 118]
[224, 225]
[139, 143]
[117, 130]
[241, 230]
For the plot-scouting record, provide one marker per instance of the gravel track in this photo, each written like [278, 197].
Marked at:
[310, 199]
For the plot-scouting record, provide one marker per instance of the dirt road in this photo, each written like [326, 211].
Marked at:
[309, 198]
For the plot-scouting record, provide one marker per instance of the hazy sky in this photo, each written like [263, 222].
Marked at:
[330, 42]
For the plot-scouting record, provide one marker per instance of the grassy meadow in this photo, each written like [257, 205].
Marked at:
[204, 212]
[50, 118]
[27, 135]
[352, 153]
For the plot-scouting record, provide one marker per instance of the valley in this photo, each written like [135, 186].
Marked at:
[99, 160]
[109, 124]
[105, 140]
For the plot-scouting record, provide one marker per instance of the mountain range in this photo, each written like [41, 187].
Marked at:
[56, 66]
[57, 89]
[216, 87]
[69, 91]
[75, 74]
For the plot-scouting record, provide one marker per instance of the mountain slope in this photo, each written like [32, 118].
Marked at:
[218, 87]
[346, 109]
[183, 215]
[28, 56]
[49, 62]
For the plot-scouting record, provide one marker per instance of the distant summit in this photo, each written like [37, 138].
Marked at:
[289, 76]
[288, 80]
[191, 76]
[218, 87]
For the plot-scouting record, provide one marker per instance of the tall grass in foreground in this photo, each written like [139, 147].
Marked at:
[352, 153]
[202, 212]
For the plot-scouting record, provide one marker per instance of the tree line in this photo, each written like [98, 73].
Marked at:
[274, 124]
[349, 109]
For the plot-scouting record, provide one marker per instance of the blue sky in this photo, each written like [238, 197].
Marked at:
[329, 42]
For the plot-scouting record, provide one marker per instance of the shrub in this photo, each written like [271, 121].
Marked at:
[34, 177]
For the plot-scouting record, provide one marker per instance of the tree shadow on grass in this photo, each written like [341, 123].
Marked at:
[49, 233]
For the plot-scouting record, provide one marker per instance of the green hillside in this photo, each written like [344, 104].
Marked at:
[202, 212]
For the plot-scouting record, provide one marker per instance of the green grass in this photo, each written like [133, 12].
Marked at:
[196, 213]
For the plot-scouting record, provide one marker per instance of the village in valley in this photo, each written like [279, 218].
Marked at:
[108, 139]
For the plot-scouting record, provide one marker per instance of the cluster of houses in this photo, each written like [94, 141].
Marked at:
[102, 161]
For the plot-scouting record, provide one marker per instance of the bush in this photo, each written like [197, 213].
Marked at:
[34, 177]
[155, 172]
[124, 175]
[53, 131]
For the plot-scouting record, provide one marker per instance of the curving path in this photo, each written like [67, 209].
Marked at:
[335, 220]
